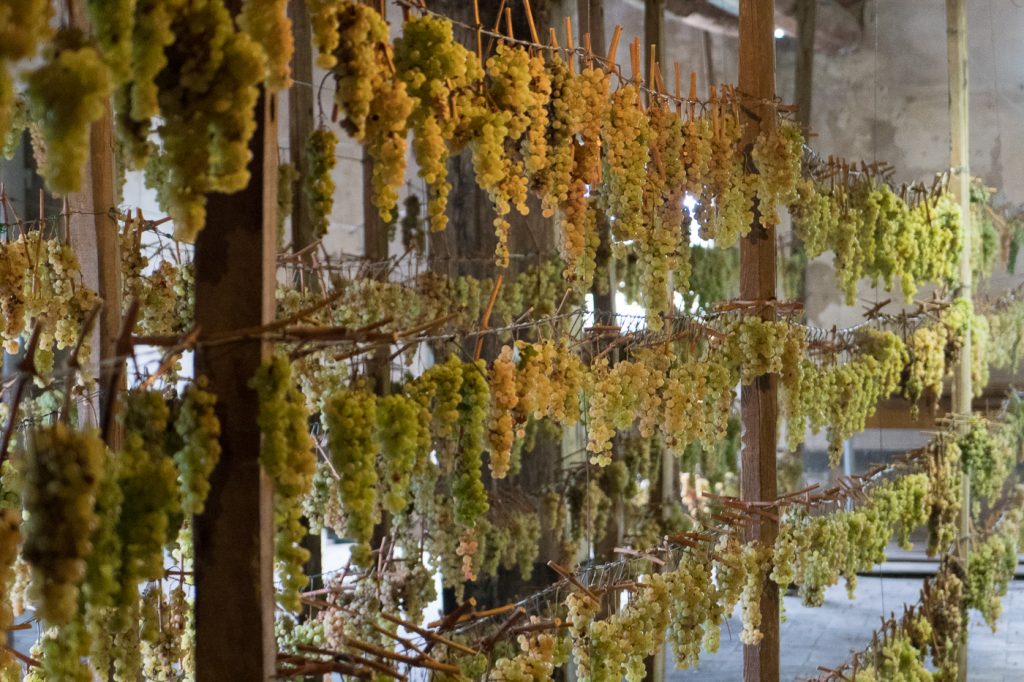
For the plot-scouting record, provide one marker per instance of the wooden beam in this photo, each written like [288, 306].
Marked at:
[234, 541]
[759, 401]
[839, 30]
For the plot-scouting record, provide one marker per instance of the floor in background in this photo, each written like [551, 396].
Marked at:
[826, 635]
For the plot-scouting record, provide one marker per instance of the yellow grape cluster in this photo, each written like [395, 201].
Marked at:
[267, 23]
[23, 27]
[319, 183]
[663, 258]
[10, 539]
[40, 280]
[286, 454]
[434, 68]
[500, 423]
[549, 380]
[540, 653]
[356, 60]
[727, 217]
[625, 141]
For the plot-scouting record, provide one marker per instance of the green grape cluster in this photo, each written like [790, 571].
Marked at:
[841, 397]
[164, 632]
[62, 469]
[990, 568]
[199, 429]
[615, 399]
[467, 484]
[286, 455]
[196, 79]
[625, 141]
[554, 178]
[66, 94]
[386, 144]
[985, 460]
[696, 153]
[319, 183]
[581, 610]
[943, 606]
[403, 435]
[138, 100]
[899, 655]
[150, 507]
[10, 539]
[757, 347]
[813, 552]
[875, 233]
[60, 649]
[113, 22]
[688, 614]
[777, 154]
[350, 417]
[357, 62]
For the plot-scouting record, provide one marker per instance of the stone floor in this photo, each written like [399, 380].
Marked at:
[826, 635]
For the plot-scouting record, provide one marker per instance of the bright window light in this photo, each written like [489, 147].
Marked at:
[779, 33]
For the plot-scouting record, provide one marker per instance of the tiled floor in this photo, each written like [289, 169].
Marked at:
[826, 635]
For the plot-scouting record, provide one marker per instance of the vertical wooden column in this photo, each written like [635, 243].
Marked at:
[93, 236]
[806, 18]
[235, 267]
[300, 119]
[960, 184]
[759, 401]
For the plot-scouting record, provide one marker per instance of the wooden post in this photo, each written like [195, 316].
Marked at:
[759, 401]
[960, 184]
[300, 125]
[806, 18]
[654, 44]
[234, 542]
[300, 120]
[94, 228]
